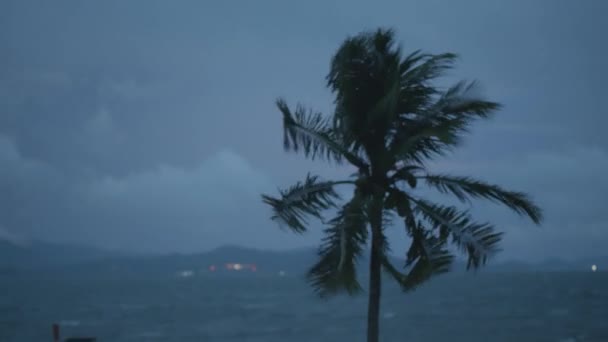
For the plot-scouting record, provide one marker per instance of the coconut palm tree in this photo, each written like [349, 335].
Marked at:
[389, 121]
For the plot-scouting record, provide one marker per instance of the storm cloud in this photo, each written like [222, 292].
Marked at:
[151, 126]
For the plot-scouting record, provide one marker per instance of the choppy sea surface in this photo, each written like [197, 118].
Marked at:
[552, 307]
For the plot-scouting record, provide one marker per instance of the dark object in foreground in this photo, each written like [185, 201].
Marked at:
[57, 334]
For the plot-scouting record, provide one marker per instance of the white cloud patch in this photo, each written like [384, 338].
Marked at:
[225, 174]
[215, 203]
[163, 209]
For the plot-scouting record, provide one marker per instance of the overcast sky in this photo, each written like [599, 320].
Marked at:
[151, 125]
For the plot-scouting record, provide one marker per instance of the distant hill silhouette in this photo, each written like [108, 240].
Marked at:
[41, 255]
[299, 261]
[291, 261]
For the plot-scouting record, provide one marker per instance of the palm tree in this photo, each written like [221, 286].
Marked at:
[388, 122]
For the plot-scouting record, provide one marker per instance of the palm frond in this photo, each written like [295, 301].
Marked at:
[464, 188]
[420, 139]
[479, 240]
[427, 252]
[411, 60]
[366, 80]
[453, 112]
[397, 200]
[385, 111]
[313, 134]
[341, 247]
[423, 145]
[440, 126]
[307, 198]
[388, 218]
[461, 100]
[428, 256]
[419, 68]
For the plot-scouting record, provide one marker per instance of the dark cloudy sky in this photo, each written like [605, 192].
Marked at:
[151, 126]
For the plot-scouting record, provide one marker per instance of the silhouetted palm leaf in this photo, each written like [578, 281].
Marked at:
[438, 127]
[312, 133]
[341, 247]
[465, 187]
[426, 257]
[308, 198]
[478, 240]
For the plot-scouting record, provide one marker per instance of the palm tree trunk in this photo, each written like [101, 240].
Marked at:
[373, 307]
[375, 268]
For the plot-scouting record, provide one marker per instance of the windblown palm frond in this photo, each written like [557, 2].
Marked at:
[439, 127]
[313, 134]
[308, 198]
[417, 69]
[365, 78]
[412, 60]
[427, 254]
[399, 201]
[342, 246]
[460, 100]
[464, 188]
[478, 240]
[385, 110]
[355, 86]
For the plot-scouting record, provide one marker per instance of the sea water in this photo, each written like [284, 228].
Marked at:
[534, 307]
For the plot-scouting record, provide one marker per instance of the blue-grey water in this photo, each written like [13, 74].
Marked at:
[540, 307]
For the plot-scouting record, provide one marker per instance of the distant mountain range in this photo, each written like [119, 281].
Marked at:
[42, 255]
